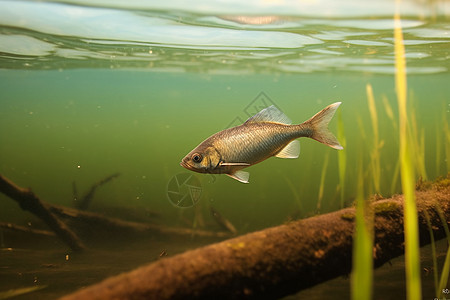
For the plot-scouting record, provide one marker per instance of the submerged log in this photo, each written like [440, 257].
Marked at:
[29, 201]
[274, 262]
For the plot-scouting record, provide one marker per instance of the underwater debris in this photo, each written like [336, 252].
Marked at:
[29, 201]
[222, 221]
[88, 223]
[163, 253]
[21, 291]
[287, 253]
[14, 227]
[84, 202]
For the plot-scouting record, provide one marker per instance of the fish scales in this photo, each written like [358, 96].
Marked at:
[252, 143]
[266, 134]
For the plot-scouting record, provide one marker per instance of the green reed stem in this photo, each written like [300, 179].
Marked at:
[412, 259]
[322, 182]
[433, 255]
[342, 156]
[447, 142]
[438, 148]
[444, 276]
[362, 247]
[375, 153]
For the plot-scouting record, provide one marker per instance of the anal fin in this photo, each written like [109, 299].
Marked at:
[292, 150]
[241, 176]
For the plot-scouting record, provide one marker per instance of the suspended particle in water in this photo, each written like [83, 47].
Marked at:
[78, 167]
[67, 257]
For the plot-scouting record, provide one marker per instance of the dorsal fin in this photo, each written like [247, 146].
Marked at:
[270, 114]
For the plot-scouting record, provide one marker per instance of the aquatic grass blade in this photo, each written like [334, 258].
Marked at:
[446, 268]
[418, 144]
[293, 189]
[361, 286]
[444, 275]
[447, 142]
[375, 153]
[433, 255]
[412, 258]
[395, 177]
[342, 157]
[438, 148]
[322, 182]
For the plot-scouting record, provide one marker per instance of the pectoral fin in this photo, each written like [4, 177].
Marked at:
[233, 164]
[292, 150]
[241, 176]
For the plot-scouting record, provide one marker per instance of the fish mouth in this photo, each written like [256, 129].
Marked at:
[186, 165]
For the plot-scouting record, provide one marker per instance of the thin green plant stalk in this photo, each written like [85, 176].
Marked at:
[418, 143]
[342, 156]
[442, 284]
[446, 268]
[433, 255]
[375, 153]
[390, 114]
[412, 257]
[438, 149]
[444, 275]
[443, 221]
[447, 142]
[322, 182]
[362, 273]
[294, 192]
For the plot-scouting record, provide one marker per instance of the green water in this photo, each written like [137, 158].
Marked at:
[88, 91]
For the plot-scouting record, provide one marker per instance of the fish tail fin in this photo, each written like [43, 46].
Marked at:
[319, 126]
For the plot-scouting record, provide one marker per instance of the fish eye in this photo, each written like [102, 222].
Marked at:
[197, 157]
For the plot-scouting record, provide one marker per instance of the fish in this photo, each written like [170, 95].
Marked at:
[268, 133]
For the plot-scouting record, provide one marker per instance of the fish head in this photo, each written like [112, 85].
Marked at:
[202, 159]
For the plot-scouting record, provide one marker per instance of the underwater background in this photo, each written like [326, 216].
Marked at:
[93, 88]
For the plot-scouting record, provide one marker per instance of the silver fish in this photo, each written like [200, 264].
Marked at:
[266, 134]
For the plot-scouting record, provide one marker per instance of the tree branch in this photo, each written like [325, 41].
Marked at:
[277, 261]
[29, 201]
